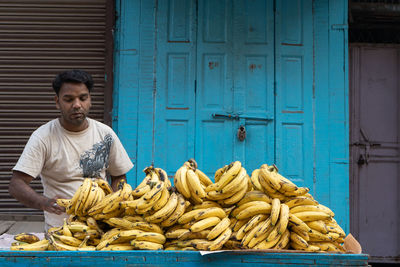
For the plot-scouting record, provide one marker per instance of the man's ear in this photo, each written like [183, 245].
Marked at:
[56, 99]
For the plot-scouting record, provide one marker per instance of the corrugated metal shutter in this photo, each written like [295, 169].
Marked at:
[38, 39]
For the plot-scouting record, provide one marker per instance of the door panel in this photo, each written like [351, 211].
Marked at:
[294, 91]
[375, 150]
[175, 79]
[214, 137]
[253, 53]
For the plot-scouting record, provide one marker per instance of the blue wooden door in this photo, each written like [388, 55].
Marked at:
[216, 72]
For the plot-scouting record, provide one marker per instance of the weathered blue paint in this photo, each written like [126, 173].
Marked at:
[178, 62]
[172, 258]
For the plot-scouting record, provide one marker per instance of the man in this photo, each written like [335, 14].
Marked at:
[66, 150]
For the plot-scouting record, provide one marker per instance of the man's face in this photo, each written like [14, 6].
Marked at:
[74, 103]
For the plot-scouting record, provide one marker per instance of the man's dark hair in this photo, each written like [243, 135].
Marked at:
[73, 76]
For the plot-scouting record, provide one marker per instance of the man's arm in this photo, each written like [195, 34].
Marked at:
[20, 189]
[115, 180]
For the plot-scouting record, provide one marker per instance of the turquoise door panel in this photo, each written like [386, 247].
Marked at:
[175, 84]
[253, 79]
[294, 90]
[214, 93]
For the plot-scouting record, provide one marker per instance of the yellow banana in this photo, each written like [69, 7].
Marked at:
[302, 200]
[194, 235]
[119, 223]
[326, 210]
[270, 178]
[219, 172]
[326, 246]
[226, 177]
[151, 237]
[238, 195]
[62, 202]
[254, 221]
[283, 218]
[254, 180]
[104, 185]
[36, 246]
[293, 219]
[239, 223]
[203, 178]
[310, 248]
[257, 234]
[87, 185]
[300, 191]
[219, 228]
[181, 182]
[295, 238]
[255, 195]
[272, 235]
[268, 244]
[68, 240]
[195, 184]
[318, 225]
[307, 216]
[244, 206]
[275, 210]
[260, 208]
[300, 231]
[210, 212]
[139, 192]
[128, 235]
[204, 224]
[162, 200]
[302, 208]
[165, 211]
[146, 245]
[207, 204]
[235, 182]
[233, 245]
[220, 240]
[176, 232]
[188, 216]
[177, 213]
[27, 238]
[65, 229]
[92, 223]
[119, 247]
[110, 198]
[318, 236]
[283, 241]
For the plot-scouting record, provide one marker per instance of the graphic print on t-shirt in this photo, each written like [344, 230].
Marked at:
[94, 160]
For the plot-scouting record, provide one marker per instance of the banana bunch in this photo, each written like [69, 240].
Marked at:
[269, 180]
[76, 234]
[191, 182]
[231, 184]
[313, 228]
[308, 220]
[204, 226]
[89, 194]
[155, 198]
[29, 242]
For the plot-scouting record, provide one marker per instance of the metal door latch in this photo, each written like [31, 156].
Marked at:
[241, 134]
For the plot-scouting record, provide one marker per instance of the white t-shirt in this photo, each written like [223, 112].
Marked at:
[63, 159]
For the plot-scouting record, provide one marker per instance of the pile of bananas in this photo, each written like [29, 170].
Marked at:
[29, 242]
[238, 211]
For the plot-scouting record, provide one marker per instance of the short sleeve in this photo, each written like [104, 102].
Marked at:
[33, 157]
[119, 161]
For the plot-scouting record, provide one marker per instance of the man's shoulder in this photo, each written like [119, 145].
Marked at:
[100, 126]
[46, 128]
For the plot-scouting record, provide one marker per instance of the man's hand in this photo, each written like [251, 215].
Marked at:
[50, 205]
[20, 189]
